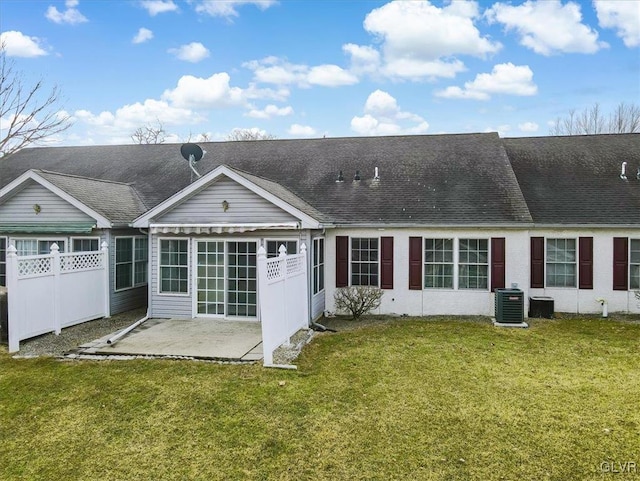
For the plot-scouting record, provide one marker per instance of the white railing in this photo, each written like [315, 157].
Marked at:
[284, 308]
[48, 292]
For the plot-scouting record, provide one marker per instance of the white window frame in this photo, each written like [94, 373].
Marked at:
[479, 264]
[73, 239]
[37, 240]
[279, 243]
[3, 260]
[318, 268]
[452, 263]
[547, 262]
[633, 286]
[133, 262]
[189, 266]
[351, 261]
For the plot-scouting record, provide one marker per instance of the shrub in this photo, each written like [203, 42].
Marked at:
[358, 300]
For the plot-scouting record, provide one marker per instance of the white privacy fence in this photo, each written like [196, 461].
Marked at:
[284, 308]
[48, 292]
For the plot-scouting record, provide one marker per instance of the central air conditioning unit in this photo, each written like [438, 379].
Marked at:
[509, 306]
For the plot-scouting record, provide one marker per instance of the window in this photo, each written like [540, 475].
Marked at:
[473, 264]
[364, 262]
[438, 263]
[634, 264]
[3, 261]
[273, 247]
[34, 247]
[86, 244]
[318, 265]
[131, 262]
[174, 271]
[561, 263]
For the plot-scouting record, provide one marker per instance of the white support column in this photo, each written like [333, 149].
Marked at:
[107, 286]
[55, 268]
[13, 307]
[303, 250]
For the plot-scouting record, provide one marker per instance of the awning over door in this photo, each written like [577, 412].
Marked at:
[219, 228]
[50, 228]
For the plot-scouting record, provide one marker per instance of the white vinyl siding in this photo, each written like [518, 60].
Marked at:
[634, 264]
[561, 263]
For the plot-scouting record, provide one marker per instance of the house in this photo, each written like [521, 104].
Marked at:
[437, 221]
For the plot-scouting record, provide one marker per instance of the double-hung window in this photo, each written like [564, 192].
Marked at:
[561, 260]
[34, 247]
[174, 266]
[273, 247]
[473, 264]
[364, 261]
[438, 263]
[318, 265]
[634, 264]
[85, 244]
[131, 262]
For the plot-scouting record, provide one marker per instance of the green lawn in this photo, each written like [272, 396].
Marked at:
[407, 399]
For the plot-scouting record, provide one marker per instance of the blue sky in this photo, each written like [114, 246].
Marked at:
[314, 68]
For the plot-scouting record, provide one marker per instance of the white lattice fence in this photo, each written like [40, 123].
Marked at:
[284, 308]
[52, 291]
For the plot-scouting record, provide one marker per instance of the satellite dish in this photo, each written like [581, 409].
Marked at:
[191, 152]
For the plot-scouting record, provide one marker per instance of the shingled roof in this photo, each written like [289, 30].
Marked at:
[576, 179]
[462, 179]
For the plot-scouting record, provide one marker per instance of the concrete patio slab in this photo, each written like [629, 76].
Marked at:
[198, 338]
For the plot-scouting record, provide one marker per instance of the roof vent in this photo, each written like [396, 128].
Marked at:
[375, 174]
[356, 178]
[638, 174]
[340, 177]
[623, 171]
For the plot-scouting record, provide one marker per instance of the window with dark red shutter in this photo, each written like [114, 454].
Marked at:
[415, 263]
[537, 262]
[585, 267]
[386, 262]
[620, 263]
[342, 261]
[498, 268]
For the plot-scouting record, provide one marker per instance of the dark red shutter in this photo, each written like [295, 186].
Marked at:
[537, 262]
[620, 263]
[386, 264]
[415, 263]
[497, 263]
[342, 261]
[585, 267]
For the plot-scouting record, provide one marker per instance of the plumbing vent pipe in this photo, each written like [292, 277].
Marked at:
[623, 171]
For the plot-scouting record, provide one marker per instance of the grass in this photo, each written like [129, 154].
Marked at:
[404, 399]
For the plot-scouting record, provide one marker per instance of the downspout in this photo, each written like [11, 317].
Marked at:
[115, 338]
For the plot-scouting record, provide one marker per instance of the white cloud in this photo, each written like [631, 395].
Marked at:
[548, 27]
[154, 7]
[364, 59]
[420, 40]
[623, 16]
[528, 127]
[506, 79]
[298, 130]
[382, 116]
[330, 76]
[228, 8]
[17, 44]
[193, 52]
[270, 111]
[143, 35]
[205, 93]
[280, 72]
[71, 15]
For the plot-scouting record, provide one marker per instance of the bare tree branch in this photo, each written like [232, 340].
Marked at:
[624, 119]
[249, 134]
[26, 118]
[150, 134]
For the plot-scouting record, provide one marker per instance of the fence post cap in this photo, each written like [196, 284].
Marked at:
[303, 248]
[262, 253]
[282, 250]
[104, 245]
[54, 248]
[12, 251]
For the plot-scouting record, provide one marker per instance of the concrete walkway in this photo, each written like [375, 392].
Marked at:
[198, 338]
